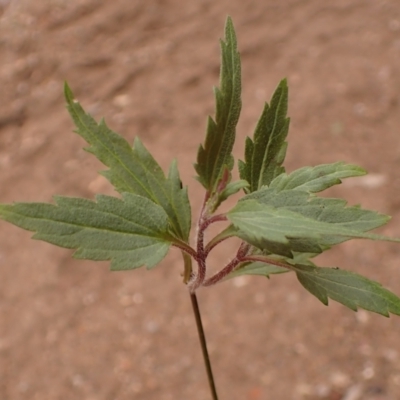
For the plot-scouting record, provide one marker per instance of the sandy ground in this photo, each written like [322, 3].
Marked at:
[71, 329]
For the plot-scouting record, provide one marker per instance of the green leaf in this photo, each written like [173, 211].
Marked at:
[216, 153]
[350, 289]
[232, 188]
[132, 232]
[264, 156]
[330, 210]
[283, 231]
[316, 179]
[134, 170]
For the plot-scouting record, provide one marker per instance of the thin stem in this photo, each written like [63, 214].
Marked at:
[185, 247]
[267, 260]
[222, 273]
[198, 278]
[216, 240]
[215, 218]
[203, 343]
[240, 256]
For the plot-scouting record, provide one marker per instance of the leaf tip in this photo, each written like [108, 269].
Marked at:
[69, 96]
[229, 23]
[230, 34]
[283, 85]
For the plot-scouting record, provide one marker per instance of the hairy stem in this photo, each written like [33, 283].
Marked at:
[222, 273]
[203, 343]
[216, 240]
[215, 218]
[240, 256]
[185, 247]
[198, 278]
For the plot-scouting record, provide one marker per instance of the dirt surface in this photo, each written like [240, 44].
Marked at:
[71, 329]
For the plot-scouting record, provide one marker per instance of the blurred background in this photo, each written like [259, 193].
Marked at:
[71, 329]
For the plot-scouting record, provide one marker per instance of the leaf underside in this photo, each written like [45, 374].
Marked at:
[131, 232]
[352, 290]
[216, 154]
[316, 179]
[348, 288]
[291, 221]
[134, 170]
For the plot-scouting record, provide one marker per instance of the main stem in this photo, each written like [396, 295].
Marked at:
[203, 344]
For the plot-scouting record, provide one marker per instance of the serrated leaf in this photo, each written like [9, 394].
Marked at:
[131, 232]
[265, 154]
[282, 231]
[330, 210]
[133, 170]
[350, 289]
[316, 179]
[216, 153]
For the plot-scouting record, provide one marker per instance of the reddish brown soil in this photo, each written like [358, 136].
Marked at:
[71, 329]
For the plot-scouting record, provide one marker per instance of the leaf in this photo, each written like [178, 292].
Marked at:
[330, 210]
[232, 188]
[282, 231]
[216, 153]
[130, 233]
[350, 289]
[316, 179]
[264, 156]
[133, 170]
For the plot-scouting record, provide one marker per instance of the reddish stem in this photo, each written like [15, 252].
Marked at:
[209, 247]
[215, 218]
[240, 256]
[222, 273]
[198, 278]
[186, 248]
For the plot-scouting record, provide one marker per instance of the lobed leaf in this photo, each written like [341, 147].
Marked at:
[216, 153]
[330, 210]
[131, 232]
[134, 170]
[350, 289]
[308, 229]
[265, 154]
[316, 179]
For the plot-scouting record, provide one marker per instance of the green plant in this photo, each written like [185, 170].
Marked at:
[281, 221]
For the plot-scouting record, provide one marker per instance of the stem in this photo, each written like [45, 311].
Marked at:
[211, 220]
[201, 259]
[240, 256]
[268, 260]
[203, 343]
[185, 247]
[222, 273]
